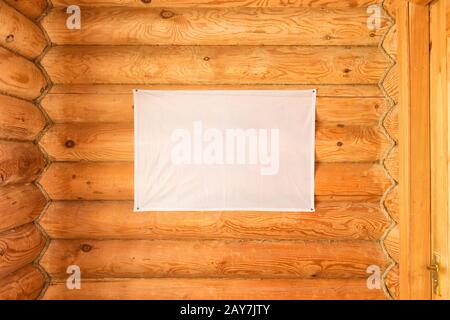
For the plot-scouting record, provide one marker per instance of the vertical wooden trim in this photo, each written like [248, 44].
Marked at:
[439, 143]
[415, 218]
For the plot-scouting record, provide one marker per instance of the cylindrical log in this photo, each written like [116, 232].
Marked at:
[31, 8]
[19, 76]
[20, 204]
[20, 162]
[19, 119]
[24, 284]
[19, 247]
[20, 34]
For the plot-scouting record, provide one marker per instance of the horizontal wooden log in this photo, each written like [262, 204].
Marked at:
[392, 244]
[323, 90]
[212, 259]
[31, 8]
[218, 3]
[98, 107]
[19, 205]
[20, 162]
[20, 77]
[114, 180]
[392, 204]
[20, 34]
[221, 26]
[115, 142]
[19, 119]
[391, 123]
[19, 247]
[392, 163]
[214, 65]
[392, 281]
[24, 284]
[342, 218]
[217, 289]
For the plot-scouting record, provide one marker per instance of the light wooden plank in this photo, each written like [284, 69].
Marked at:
[20, 204]
[214, 65]
[20, 77]
[221, 26]
[218, 3]
[339, 218]
[20, 162]
[415, 152]
[323, 90]
[115, 142]
[98, 107]
[212, 259]
[114, 180]
[20, 34]
[439, 117]
[19, 247]
[217, 289]
[24, 284]
[19, 119]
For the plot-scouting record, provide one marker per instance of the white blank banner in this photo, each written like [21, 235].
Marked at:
[224, 150]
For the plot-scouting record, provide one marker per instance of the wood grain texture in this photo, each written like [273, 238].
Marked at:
[24, 284]
[19, 204]
[20, 162]
[19, 247]
[115, 142]
[392, 204]
[217, 289]
[439, 123]
[212, 259]
[95, 107]
[392, 281]
[218, 3]
[19, 119]
[337, 218]
[214, 65]
[221, 26]
[114, 180]
[19, 76]
[20, 34]
[392, 163]
[31, 8]
[391, 123]
[392, 244]
[323, 90]
[414, 138]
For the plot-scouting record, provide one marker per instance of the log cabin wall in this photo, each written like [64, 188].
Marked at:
[22, 84]
[204, 44]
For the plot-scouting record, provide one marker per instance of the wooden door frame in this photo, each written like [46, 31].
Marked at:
[416, 151]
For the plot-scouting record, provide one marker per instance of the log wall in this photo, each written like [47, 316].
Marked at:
[203, 44]
[22, 82]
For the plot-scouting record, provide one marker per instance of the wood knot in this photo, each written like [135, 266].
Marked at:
[166, 14]
[86, 247]
[69, 144]
[206, 58]
[339, 144]
[347, 70]
[340, 126]
[372, 34]
[146, 1]
[9, 38]
[2, 252]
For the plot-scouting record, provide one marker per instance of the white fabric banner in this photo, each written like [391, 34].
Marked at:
[224, 150]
